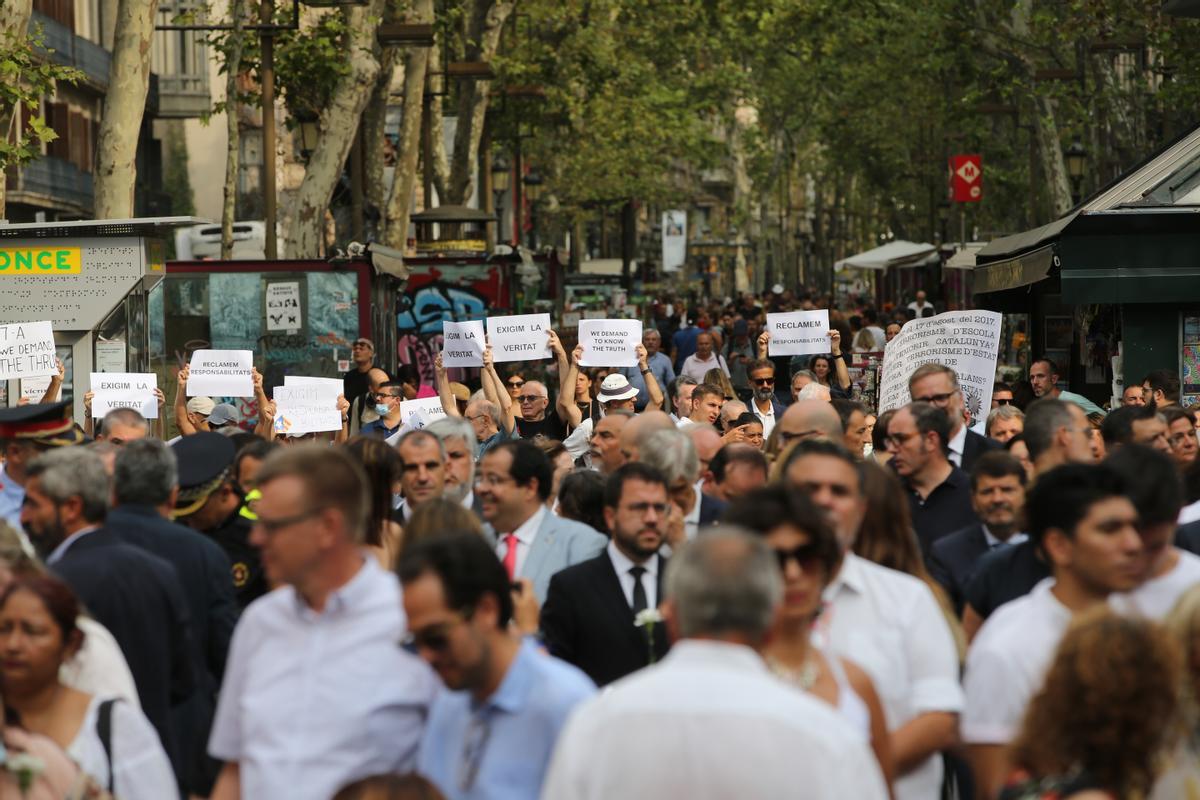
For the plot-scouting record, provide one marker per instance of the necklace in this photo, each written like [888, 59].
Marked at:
[804, 677]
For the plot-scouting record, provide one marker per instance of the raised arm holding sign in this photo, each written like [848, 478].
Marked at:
[609, 342]
[798, 333]
[462, 344]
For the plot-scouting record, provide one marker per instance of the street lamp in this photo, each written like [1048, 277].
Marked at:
[1076, 157]
[533, 189]
[501, 177]
[310, 128]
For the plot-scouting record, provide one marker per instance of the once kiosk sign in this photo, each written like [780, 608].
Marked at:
[40, 261]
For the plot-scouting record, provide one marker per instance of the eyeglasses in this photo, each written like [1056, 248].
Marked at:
[898, 439]
[379, 396]
[937, 399]
[1002, 401]
[806, 556]
[477, 417]
[516, 384]
[530, 398]
[273, 526]
[642, 508]
[763, 381]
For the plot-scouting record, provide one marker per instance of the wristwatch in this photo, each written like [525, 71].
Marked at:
[645, 372]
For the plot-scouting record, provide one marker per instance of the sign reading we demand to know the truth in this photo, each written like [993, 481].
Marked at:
[27, 350]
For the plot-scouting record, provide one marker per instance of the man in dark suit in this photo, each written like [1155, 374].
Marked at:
[145, 487]
[589, 617]
[998, 497]
[132, 593]
[938, 384]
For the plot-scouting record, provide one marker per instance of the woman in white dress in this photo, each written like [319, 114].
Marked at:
[38, 633]
[808, 557]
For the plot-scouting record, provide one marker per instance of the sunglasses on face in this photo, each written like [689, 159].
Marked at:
[1002, 401]
[530, 398]
[764, 381]
[806, 556]
[516, 384]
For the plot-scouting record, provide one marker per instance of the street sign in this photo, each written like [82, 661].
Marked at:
[966, 178]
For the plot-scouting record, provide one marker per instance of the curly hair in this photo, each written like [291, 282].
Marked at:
[1108, 706]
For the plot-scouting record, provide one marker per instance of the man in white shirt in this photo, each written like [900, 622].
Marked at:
[920, 304]
[1078, 514]
[763, 404]
[887, 622]
[709, 720]
[697, 365]
[317, 692]
[1154, 488]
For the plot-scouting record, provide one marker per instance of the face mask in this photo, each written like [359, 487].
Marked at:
[382, 409]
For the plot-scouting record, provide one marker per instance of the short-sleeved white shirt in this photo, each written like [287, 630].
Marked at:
[1008, 661]
[1155, 598]
[889, 624]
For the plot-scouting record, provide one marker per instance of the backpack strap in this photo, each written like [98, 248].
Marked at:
[104, 731]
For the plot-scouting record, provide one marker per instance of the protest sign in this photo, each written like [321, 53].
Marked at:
[331, 387]
[524, 337]
[113, 390]
[34, 389]
[966, 341]
[221, 373]
[416, 414]
[799, 333]
[27, 350]
[306, 408]
[462, 343]
[609, 342]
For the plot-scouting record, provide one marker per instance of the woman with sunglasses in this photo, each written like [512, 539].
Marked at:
[808, 557]
[513, 383]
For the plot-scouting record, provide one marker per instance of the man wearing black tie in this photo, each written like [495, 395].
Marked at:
[590, 611]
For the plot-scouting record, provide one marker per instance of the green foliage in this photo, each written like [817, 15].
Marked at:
[27, 75]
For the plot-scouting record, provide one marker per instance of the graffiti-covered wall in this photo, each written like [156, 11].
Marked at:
[420, 324]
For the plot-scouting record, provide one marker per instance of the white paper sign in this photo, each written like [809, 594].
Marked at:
[462, 343]
[27, 350]
[283, 306]
[416, 414]
[34, 389]
[610, 342]
[332, 387]
[799, 333]
[110, 356]
[966, 341]
[519, 338]
[124, 390]
[221, 373]
[306, 408]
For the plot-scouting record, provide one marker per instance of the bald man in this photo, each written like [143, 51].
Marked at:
[809, 419]
[707, 442]
[638, 428]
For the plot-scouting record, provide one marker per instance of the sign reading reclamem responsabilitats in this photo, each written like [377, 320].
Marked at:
[525, 337]
[798, 333]
[221, 373]
[462, 343]
[27, 350]
[113, 390]
[609, 342]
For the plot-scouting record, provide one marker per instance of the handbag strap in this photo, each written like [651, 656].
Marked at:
[104, 731]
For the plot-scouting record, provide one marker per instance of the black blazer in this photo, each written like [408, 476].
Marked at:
[137, 597]
[975, 446]
[711, 509]
[587, 621]
[206, 579]
[952, 561]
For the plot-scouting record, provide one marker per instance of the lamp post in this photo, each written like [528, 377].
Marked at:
[501, 176]
[1076, 157]
[533, 189]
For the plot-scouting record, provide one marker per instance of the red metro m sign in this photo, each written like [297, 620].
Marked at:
[966, 178]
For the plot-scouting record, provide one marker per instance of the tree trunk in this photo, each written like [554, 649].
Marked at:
[233, 66]
[399, 204]
[14, 17]
[1054, 166]
[338, 124]
[374, 129]
[483, 36]
[437, 127]
[124, 106]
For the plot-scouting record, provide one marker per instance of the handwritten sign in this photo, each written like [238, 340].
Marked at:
[966, 341]
[27, 350]
[306, 408]
[609, 342]
[283, 306]
[462, 343]
[34, 389]
[331, 387]
[798, 333]
[519, 338]
[416, 414]
[115, 390]
[221, 373]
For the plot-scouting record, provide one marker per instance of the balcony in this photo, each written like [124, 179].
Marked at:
[180, 59]
[74, 51]
[52, 183]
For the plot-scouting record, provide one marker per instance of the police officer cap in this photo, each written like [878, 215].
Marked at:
[204, 460]
[44, 424]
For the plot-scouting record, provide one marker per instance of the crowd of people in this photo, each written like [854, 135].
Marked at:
[710, 574]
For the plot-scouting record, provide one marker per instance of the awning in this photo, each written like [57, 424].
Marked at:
[1010, 273]
[964, 256]
[893, 254]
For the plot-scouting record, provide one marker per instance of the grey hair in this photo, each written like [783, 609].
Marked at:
[1043, 420]
[489, 408]
[729, 410]
[73, 472]
[680, 382]
[672, 453]
[123, 416]
[808, 373]
[1002, 412]
[421, 433]
[724, 582]
[453, 427]
[544, 391]
[814, 391]
[145, 473]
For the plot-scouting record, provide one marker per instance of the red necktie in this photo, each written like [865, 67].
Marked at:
[510, 555]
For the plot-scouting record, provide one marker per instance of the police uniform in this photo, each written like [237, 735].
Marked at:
[205, 461]
[42, 426]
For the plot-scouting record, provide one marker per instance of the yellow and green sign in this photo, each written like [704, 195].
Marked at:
[40, 261]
